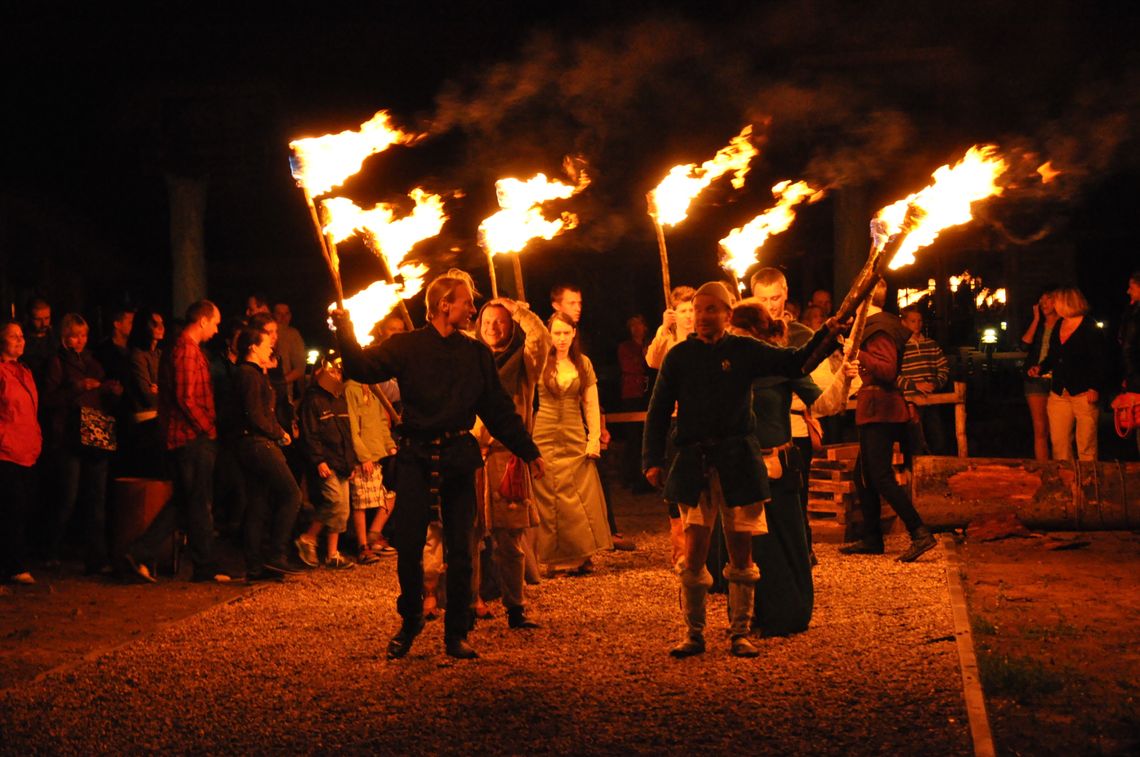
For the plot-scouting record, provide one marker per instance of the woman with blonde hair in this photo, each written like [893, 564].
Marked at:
[570, 501]
[76, 385]
[1077, 362]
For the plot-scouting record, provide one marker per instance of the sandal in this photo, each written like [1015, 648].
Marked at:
[365, 556]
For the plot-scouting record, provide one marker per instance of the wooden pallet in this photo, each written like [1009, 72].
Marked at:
[833, 509]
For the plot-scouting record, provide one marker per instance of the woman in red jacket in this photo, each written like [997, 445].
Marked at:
[20, 443]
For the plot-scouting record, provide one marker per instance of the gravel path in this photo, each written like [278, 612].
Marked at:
[299, 668]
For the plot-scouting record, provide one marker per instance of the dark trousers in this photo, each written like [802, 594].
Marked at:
[413, 513]
[273, 499]
[875, 477]
[192, 467]
[82, 483]
[17, 490]
[803, 444]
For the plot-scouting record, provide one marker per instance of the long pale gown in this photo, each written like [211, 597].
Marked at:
[571, 505]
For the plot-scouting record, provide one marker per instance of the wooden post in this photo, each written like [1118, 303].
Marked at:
[664, 253]
[960, 418]
[332, 260]
[520, 289]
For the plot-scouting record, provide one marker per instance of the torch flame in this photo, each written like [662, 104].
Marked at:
[370, 306]
[521, 220]
[321, 163]
[947, 202]
[394, 238]
[671, 199]
[742, 244]
[1047, 172]
[391, 239]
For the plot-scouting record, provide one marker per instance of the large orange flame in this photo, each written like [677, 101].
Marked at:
[671, 199]
[521, 219]
[371, 305]
[321, 163]
[391, 239]
[742, 245]
[947, 202]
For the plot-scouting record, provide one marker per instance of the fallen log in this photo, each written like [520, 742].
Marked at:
[949, 492]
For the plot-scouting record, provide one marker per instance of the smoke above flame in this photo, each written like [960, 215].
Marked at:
[947, 202]
[521, 219]
[321, 163]
[670, 200]
[742, 245]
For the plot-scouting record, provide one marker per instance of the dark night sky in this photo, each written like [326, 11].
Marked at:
[103, 102]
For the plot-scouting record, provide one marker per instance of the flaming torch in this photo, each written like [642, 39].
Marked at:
[742, 245]
[521, 220]
[904, 227]
[390, 239]
[669, 202]
[321, 163]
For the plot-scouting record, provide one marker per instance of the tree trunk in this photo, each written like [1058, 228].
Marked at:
[187, 240]
[852, 236]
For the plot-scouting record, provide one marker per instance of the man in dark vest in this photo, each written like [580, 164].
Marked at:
[446, 379]
[881, 416]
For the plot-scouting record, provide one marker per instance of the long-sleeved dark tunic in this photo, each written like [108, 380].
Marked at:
[712, 387]
[444, 383]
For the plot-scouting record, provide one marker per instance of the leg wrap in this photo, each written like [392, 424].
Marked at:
[694, 591]
[741, 593]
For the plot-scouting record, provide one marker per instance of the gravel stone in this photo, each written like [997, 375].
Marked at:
[299, 668]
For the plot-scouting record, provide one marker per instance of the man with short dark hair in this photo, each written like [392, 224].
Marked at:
[446, 379]
[40, 340]
[187, 419]
[881, 417]
[290, 349]
[718, 468]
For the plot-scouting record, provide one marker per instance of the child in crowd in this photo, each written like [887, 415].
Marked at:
[370, 421]
[331, 458]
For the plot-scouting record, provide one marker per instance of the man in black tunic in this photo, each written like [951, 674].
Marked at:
[446, 379]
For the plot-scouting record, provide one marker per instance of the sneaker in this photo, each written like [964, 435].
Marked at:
[337, 561]
[307, 551]
[25, 578]
[622, 544]
[921, 542]
[281, 566]
[865, 547]
[264, 576]
[139, 569]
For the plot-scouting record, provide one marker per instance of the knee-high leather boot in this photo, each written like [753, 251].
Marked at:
[694, 591]
[741, 593]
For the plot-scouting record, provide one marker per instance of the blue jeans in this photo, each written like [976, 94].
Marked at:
[273, 499]
[193, 468]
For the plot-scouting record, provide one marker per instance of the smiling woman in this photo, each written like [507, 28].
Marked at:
[20, 443]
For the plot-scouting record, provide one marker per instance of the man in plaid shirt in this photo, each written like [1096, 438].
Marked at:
[186, 417]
